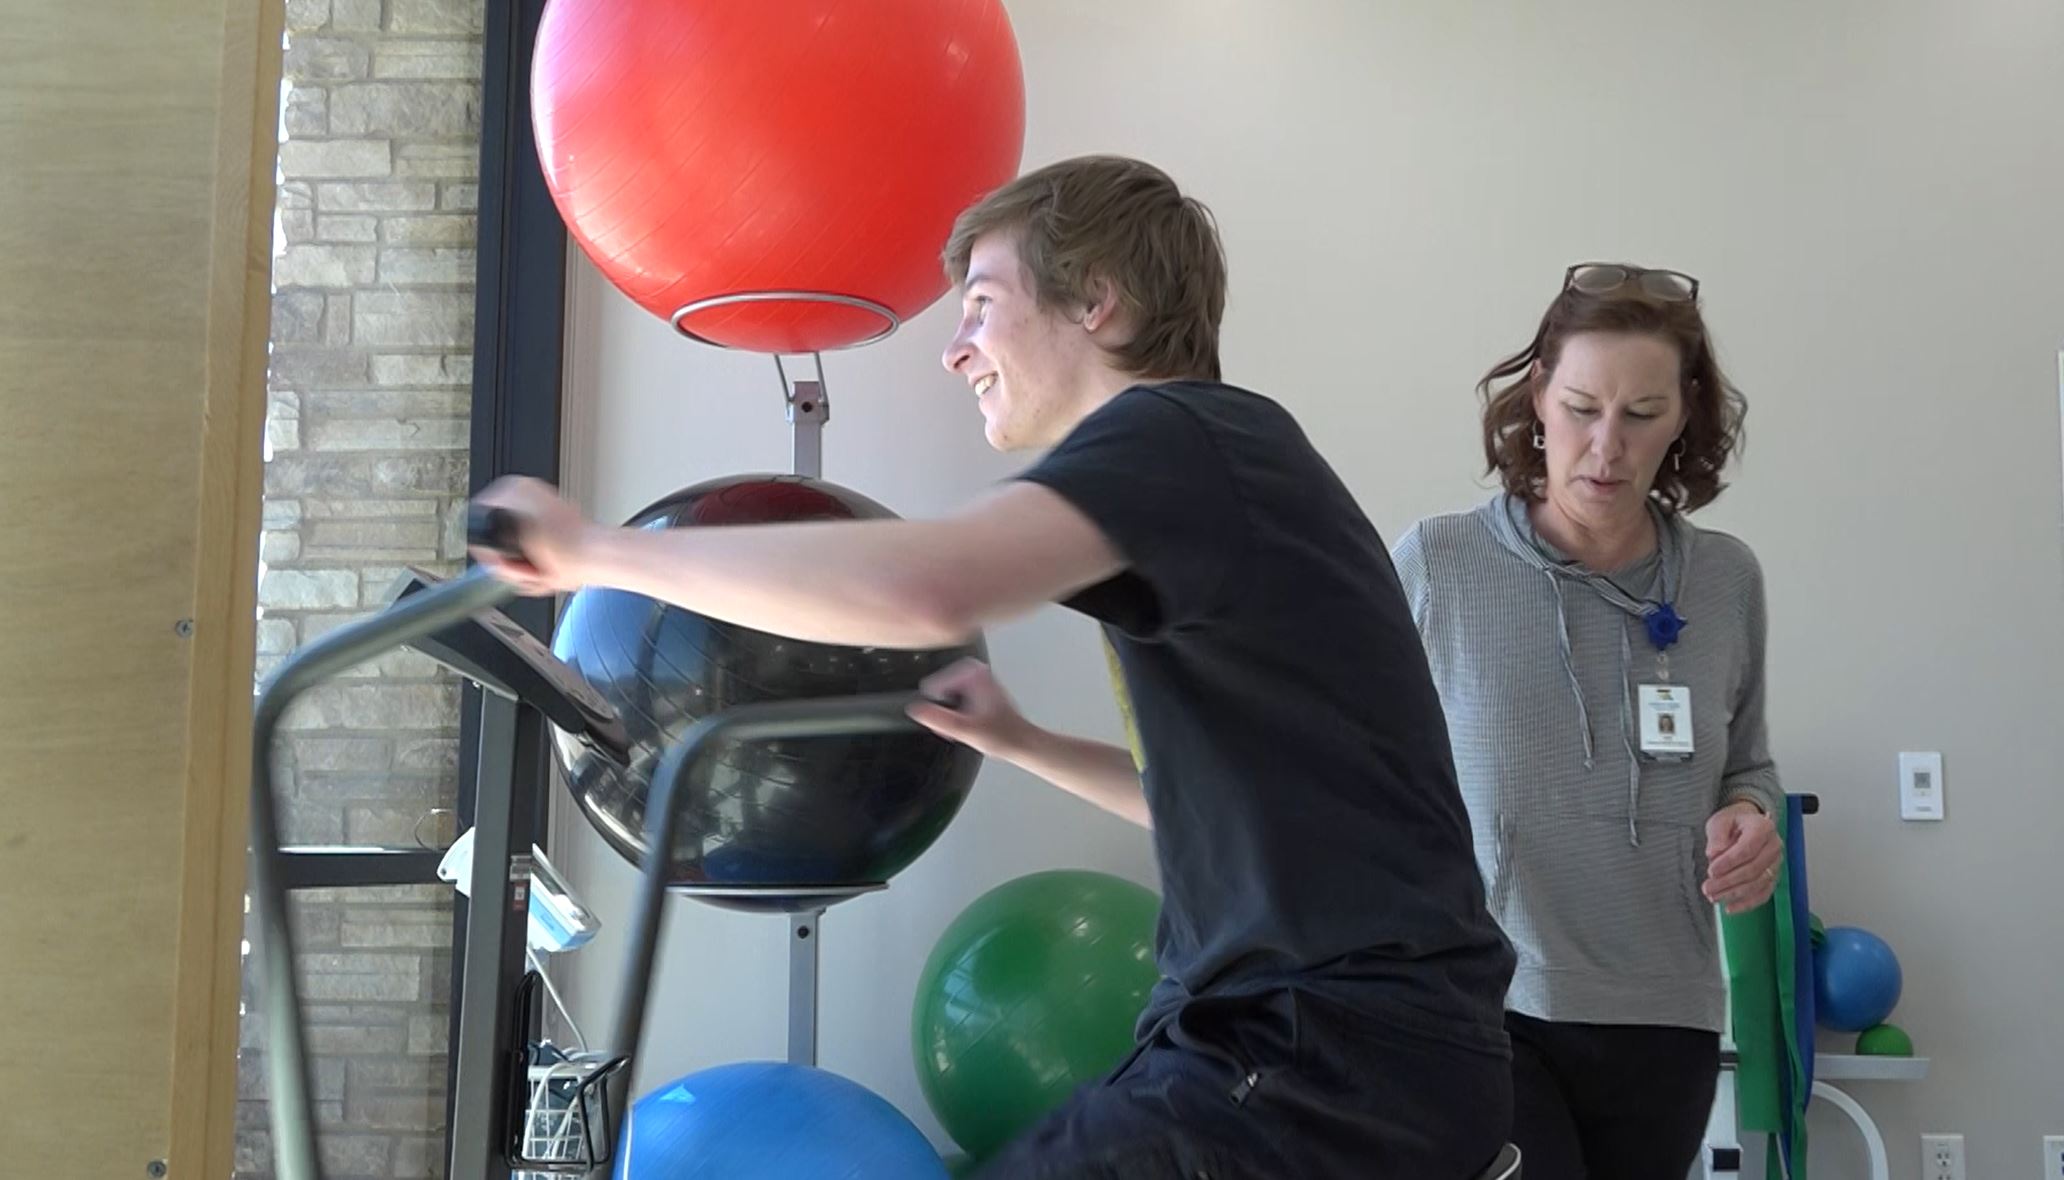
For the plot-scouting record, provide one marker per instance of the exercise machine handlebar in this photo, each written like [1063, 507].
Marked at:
[292, 1105]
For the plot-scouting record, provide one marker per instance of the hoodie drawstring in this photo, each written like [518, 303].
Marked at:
[1569, 667]
[1627, 739]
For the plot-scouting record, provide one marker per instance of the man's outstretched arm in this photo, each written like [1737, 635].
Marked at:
[888, 583]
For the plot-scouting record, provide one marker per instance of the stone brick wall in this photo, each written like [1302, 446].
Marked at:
[372, 330]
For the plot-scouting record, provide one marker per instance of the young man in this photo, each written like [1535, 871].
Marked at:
[1333, 985]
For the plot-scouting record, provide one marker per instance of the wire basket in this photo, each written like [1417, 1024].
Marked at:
[569, 1125]
[566, 1122]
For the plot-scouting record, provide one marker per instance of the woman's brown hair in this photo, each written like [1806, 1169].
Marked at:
[1714, 408]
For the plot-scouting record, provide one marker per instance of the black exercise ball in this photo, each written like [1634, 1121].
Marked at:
[779, 817]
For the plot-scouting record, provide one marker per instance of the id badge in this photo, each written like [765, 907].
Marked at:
[1666, 721]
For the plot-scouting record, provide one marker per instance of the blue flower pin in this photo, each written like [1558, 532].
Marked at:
[1664, 625]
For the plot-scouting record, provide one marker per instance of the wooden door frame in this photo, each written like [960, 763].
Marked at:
[224, 625]
[516, 430]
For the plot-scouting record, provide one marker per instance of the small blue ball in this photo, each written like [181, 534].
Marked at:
[1856, 980]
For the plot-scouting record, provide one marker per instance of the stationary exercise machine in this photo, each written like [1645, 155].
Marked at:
[457, 623]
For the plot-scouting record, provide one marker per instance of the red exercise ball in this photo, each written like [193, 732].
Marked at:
[707, 148]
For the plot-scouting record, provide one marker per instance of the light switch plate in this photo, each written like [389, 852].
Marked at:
[1920, 785]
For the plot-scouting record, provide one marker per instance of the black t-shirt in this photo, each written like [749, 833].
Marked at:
[1307, 823]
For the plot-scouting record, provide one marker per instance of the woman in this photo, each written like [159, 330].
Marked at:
[1600, 660]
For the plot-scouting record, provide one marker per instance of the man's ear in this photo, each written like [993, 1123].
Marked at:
[1104, 306]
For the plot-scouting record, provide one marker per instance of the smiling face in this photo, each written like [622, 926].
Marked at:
[1029, 366]
[1609, 414]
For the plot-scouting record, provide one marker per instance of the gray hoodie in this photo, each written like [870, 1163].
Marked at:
[1593, 852]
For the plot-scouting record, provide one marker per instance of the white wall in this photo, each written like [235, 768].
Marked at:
[1873, 194]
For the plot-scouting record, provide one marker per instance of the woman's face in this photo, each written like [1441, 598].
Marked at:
[1609, 414]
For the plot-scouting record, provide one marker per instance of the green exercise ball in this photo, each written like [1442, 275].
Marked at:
[1884, 1040]
[958, 1166]
[1816, 931]
[1032, 991]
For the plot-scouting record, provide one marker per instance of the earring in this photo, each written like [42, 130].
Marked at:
[1677, 456]
[1540, 443]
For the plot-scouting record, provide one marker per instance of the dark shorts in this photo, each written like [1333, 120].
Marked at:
[1286, 1085]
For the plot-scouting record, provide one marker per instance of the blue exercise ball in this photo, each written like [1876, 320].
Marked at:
[771, 1121]
[1856, 980]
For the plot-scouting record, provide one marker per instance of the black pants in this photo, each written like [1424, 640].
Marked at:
[1282, 1087]
[1610, 1101]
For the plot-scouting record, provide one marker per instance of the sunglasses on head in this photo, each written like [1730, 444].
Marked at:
[1611, 278]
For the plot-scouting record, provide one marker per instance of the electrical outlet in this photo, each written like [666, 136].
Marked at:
[2053, 1157]
[1942, 1157]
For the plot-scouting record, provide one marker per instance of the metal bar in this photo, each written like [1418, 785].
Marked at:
[808, 410]
[497, 929]
[358, 868]
[519, 337]
[292, 1106]
[804, 930]
[877, 713]
[519, 342]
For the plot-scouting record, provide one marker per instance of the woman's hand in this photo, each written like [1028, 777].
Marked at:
[1743, 851]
